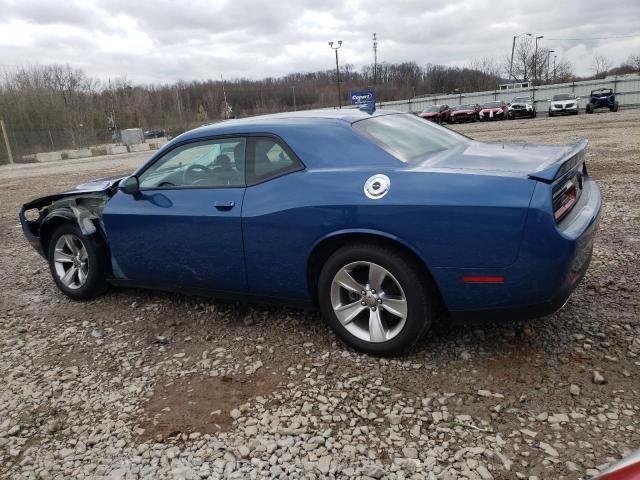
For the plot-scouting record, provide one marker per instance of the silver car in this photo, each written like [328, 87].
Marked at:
[564, 104]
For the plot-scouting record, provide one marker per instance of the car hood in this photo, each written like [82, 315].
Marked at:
[98, 185]
[102, 186]
[429, 114]
[497, 158]
[520, 104]
[492, 109]
[454, 112]
[562, 103]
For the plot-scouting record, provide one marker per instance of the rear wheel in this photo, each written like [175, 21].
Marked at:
[615, 107]
[589, 108]
[375, 299]
[77, 263]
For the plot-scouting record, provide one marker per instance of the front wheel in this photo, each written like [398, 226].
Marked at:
[589, 108]
[375, 299]
[77, 263]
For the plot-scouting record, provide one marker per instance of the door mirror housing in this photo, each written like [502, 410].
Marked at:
[130, 185]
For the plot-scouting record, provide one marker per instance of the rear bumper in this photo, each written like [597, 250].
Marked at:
[552, 261]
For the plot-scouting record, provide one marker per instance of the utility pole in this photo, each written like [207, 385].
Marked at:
[513, 47]
[335, 49]
[554, 68]
[293, 89]
[549, 52]
[535, 61]
[375, 59]
[227, 107]
[6, 140]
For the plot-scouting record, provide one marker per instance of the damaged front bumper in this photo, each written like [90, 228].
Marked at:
[82, 206]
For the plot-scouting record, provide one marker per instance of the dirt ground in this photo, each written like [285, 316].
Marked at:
[140, 384]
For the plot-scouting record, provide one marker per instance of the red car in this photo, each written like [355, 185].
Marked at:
[626, 469]
[494, 111]
[437, 113]
[465, 113]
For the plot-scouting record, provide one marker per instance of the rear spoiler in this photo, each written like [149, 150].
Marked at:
[571, 156]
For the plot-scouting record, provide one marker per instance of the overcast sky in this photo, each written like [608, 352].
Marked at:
[162, 41]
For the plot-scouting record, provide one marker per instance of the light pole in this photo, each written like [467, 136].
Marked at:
[554, 67]
[535, 60]
[513, 47]
[549, 52]
[293, 89]
[375, 59]
[335, 49]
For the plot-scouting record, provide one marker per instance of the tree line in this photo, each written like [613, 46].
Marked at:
[52, 107]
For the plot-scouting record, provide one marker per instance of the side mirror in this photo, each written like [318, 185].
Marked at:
[129, 185]
[578, 98]
[549, 100]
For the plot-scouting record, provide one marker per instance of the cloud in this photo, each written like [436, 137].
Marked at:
[164, 41]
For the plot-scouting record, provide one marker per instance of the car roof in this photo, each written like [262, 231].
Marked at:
[264, 123]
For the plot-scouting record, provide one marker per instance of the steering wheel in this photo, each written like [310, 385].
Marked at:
[194, 171]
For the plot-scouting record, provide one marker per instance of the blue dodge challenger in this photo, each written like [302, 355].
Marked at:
[383, 221]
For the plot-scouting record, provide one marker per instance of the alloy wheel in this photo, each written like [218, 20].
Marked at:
[71, 261]
[369, 301]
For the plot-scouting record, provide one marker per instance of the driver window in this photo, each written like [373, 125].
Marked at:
[211, 163]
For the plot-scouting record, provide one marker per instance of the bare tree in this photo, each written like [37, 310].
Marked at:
[601, 65]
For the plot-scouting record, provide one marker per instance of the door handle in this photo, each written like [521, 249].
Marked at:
[224, 205]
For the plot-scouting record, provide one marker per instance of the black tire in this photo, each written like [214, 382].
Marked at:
[589, 108]
[550, 114]
[615, 107]
[96, 280]
[419, 291]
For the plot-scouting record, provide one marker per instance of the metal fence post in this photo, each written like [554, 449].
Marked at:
[6, 140]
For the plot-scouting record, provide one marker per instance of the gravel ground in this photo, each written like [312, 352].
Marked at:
[141, 384]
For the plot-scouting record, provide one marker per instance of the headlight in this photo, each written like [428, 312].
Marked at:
[500, 111]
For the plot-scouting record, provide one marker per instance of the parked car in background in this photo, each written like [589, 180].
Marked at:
[154, 134]
[522, 107]
[381, 220]
[437, 113]
[602, 98]
[564, 104]
[493, 111]
[467, 112]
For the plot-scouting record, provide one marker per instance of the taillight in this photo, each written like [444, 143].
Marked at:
[565, 196]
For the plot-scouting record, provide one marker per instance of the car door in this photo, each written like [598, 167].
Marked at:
[273, 250]
[183, 228]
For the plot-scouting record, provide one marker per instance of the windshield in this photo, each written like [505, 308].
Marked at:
[467, 106]
[408, 138]
[521, 100]
[435, 108]
[564, 96]
[492, 105]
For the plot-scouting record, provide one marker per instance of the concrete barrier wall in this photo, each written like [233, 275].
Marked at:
[48, 156]
[99, 150]
[84, 153]
[139, 147]
[116, 149]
